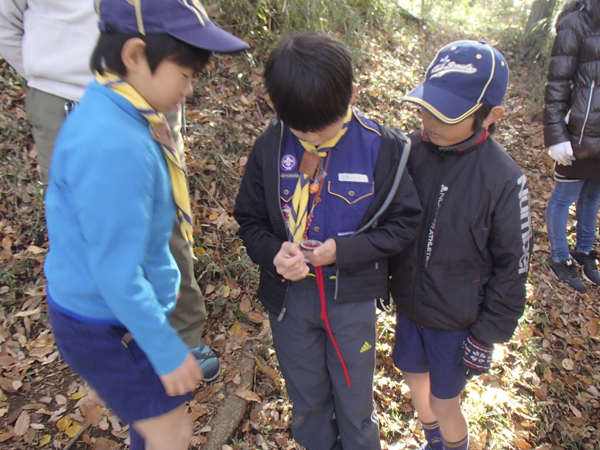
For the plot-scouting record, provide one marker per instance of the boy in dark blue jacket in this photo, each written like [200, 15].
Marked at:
[461, 287]
[323, 173]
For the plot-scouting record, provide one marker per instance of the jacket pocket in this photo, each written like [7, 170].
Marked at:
[361, 284]
[450, 298]
[351, 192]
[346, 204]
[480, 237]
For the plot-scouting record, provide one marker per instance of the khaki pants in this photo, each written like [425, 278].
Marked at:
[46, 113]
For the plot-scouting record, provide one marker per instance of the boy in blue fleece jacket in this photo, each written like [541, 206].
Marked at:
[116, 184]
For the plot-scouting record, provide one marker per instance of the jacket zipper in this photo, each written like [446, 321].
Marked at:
[283, 308]
[587, 112]
[422, 250]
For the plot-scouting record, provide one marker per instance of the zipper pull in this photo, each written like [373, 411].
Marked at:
[281, 314]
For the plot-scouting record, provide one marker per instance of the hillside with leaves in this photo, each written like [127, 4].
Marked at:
[543, 390]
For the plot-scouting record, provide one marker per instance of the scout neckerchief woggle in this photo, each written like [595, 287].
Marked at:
[310, 160]
[161, 134]
[297, 230]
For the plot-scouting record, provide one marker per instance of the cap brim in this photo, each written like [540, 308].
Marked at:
[211, 37]
[444, 105]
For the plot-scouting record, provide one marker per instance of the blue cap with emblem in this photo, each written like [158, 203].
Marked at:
[462, 77]
[185, 20]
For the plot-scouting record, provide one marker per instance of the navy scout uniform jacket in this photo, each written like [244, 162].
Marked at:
[368, 205]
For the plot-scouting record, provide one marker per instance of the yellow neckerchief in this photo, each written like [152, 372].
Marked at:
[297, 222]
[162, 134]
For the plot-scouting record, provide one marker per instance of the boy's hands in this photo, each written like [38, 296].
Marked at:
[289, 262]
[324, 254]
[562, 153]
[477, 358]
[184, 379]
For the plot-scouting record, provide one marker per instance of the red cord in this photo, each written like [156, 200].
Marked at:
[319, 275]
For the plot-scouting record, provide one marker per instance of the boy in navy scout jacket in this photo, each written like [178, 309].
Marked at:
[461, 287]
[322, 173]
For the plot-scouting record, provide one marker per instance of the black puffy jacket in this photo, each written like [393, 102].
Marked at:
[468, 267]
[573, 89]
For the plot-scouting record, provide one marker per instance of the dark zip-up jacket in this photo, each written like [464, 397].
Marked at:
[388, 226]
[573, 89]
[468, 267]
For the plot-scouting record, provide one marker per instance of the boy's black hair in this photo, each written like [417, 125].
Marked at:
[480, 115]
[309, 78]
[107, 54]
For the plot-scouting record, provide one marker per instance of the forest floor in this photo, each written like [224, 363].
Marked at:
[542, 392]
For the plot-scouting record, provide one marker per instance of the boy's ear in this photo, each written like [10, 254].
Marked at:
[494, 116]
[133, 54]
[354, 93]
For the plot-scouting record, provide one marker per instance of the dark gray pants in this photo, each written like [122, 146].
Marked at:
[46, 113]
[325, 409]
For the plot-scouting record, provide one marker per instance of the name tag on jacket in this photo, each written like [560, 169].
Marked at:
[355, 177]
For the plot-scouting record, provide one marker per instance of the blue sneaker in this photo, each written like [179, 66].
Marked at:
[207, 361]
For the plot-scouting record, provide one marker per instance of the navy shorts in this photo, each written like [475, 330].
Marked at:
[419, 350]
[119, 371]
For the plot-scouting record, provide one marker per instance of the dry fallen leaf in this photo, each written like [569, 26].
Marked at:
[22, 424]
[255, 317]
[93, 413]
[268, 371]
[245, 305]
[64, 423]
[45, 440]
[568, 364]
[36, 250]
[77, 396]
[73, 429]
[236, 329]
[5, 436]
[247, 395]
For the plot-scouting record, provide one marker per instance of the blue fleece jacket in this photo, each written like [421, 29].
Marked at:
[110, 212]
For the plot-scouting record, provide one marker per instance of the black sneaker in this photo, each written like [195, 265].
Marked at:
[566, 271]
[588, 262]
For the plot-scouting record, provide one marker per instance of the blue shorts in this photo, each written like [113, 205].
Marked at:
[419, 350]
[119, 371]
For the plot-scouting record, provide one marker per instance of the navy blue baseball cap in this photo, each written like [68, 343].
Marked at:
[185, 20]
[462, 77]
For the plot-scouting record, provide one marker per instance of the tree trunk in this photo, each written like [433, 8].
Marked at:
[536, 31]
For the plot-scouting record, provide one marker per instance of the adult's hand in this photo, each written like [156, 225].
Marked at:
[562, 153]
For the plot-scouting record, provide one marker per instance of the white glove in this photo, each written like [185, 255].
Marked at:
[562, 153]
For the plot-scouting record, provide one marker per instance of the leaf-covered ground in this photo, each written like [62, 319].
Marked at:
[543, 391]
